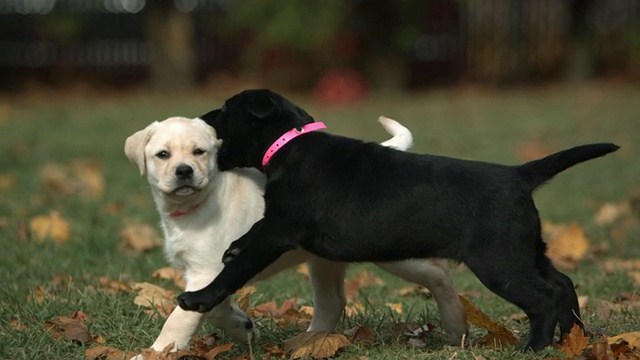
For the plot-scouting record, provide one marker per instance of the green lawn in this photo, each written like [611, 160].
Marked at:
[497, 126]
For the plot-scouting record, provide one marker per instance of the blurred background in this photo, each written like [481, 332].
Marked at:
[338, 49]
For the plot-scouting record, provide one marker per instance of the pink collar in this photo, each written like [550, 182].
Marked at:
[288, 136]
[188, 211]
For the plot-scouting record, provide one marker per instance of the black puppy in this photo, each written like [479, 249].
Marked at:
[347, 200]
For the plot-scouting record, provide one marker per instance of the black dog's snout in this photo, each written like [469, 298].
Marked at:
[184, 171]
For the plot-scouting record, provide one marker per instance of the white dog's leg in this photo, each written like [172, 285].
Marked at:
[435, 276]
[178, 329]
[327, 279]
[225, 316]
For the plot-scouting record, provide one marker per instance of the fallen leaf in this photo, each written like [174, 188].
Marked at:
[315, 345]
[154, 297]
[211, 354]
[614, 265]
[635, 276]
[296, 318]
[532, 150]
[566, 244]
[632, 338]
[420, 330]
[18, 325]
[113, 286]
[363, 279]
[601, 349]
[173, 274]
[395, 307]
[361, 335]
[243, 297]
[139, 237]
[39, 294]
[414, 290]
[498, 334]
[7, 181]
[610, 212]
[51, 226]
[107, 353]
[70, 328]
[304, 270]
[353, 309]
[79, 177]
[574, 342]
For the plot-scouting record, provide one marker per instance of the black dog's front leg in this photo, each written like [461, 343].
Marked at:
[260, 251]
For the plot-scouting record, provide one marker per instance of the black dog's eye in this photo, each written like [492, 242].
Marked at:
[198, 152]
[163, 154]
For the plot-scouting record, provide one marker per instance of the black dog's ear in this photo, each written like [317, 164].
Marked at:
[263, 106]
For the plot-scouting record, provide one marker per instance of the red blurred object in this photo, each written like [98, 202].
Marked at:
[340, 87]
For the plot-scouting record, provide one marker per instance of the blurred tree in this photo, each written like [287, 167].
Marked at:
[304, 39]
[580, 65]
[170, 36]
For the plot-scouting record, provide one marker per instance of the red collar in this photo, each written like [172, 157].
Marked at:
[188, 211]
[288, 136]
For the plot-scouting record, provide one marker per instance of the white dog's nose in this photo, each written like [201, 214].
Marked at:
[184, 171]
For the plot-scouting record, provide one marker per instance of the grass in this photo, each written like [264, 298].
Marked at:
[481, 125]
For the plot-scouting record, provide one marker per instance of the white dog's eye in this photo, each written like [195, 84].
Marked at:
[198, 152]
[163, 154]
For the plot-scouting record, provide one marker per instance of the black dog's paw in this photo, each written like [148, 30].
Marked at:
[231, 253]
[193, 301]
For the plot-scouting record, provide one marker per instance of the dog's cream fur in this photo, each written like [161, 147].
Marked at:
[219, 207]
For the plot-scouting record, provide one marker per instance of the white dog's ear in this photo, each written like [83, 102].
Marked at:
[135, 144]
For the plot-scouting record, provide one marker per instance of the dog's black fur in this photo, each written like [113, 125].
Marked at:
[347, 200]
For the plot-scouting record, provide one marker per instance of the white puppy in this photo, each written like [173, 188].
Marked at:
[203, 210]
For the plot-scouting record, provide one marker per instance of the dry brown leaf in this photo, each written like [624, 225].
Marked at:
[80, 177]
[315, 345]
[51, 226]
[566, 244]
[173, 274]
[154, 297]
[304, 270]
[363, 279]
[414, 290]
[18, 325]
[610, 212]
[7, 181]
[361, 335]
[89, 178]
[613, 265]
[39, 294]
[271, 308]
[107, 353]
[395, 307]
[113, 286]
[532, 150]
[498, 334]
[211, 354]
[601, 349]
[243, 297]
[296, 318]
[353, 309]
[70, 328]
[574, 342]
[632, 339]
[635, 276]
[139, 237]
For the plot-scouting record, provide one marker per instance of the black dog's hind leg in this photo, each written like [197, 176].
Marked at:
[569, 310]
[260, 251]
[515, 279]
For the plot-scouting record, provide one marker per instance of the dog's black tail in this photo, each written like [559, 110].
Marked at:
[539, 171]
